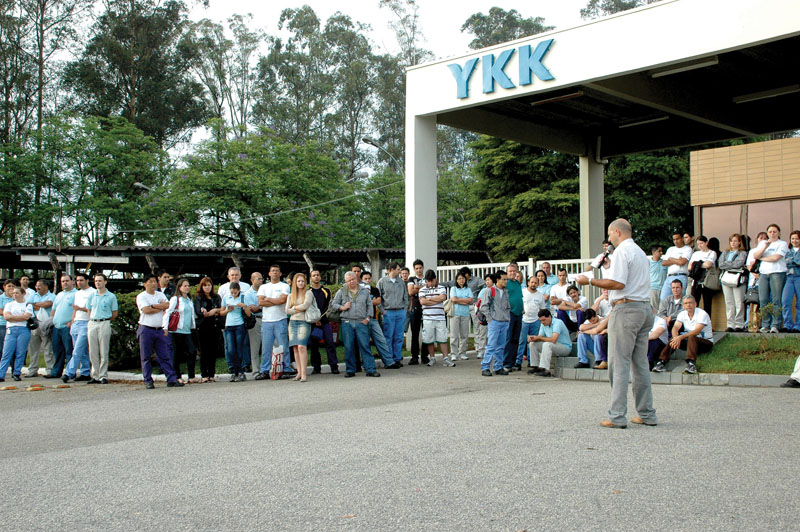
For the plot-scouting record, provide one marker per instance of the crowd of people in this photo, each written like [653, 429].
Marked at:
[262, 327]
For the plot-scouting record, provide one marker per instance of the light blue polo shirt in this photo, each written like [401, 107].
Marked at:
[545, 291]
[251, 298]
[37, 298]
[3, 300]
[233, 317]
[188, 309]
[101, 307]
[458, 308]
[556, 326]
[658, 274]
[62, 308]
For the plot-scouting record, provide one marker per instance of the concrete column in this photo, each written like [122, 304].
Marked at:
[421, 215]
[593, 224]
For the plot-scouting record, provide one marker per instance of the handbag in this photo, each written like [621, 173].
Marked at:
[449, 307]
[733, 278]
[751, 296]
[174, 320]
[32, 323]
[313, 315]
[711, 280]
[249, 321]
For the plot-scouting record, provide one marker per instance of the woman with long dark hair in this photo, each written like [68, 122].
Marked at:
[207, 309]
[183, 347]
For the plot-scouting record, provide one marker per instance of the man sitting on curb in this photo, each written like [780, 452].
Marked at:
[553, 339]
[696, 339]
[794, 379]
[592, 337]
[671, 305]
[657, 340]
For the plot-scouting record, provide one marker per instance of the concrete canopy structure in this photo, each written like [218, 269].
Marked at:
[674, 73]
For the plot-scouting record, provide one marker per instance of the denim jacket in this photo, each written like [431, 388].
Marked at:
[793, 261]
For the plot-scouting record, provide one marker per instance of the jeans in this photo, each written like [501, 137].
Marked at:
[495, 346]
[80, 352]
[528, 329]
[62, 349]
[235, 347]
[666, 290]
[572, 326]
[791, 289]
[153, 339]
[512, 340]
[272, 331]
[376, 333]
[356, 330]
[770, 290]
[393, 323]
[593, 343]
[14, 347]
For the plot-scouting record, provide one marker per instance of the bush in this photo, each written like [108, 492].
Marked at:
[124, 349]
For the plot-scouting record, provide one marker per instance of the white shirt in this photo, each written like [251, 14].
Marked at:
[81, 299]
[700, 316]
[704, 256]
[603, 309]
[677, 253]
[29, 293]
[17, 309]
[658, 321]
[532, 303]
[778, 247]
[629, 266]
[146, 300]
[273, 290]
[560, 292]
[225, 290]
[583, 302]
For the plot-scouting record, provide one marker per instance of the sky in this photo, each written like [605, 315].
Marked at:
[440, 20]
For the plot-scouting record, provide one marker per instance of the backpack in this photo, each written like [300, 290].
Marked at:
[482, 317]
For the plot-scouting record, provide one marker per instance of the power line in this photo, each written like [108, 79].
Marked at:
[296, 209]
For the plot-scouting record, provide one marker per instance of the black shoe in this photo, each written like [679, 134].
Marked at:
[285, 376]
[16, 378]
[261, 376]
[103, 381]
[425, 360]
[396, 365]
[791, 383]
[234, 378]
[359, 370]
[316, 371]
[150, 385]
[30, 376]
[242, 377]
[533, 370]
[93, 381]
[291, 373]
[501, 371]
[335, 371]
[413, 362]
[65, 378]
[373, 374]
[349, 374]
[2, 380]
[580, 365]
[50, 376]
[518, 367]
[730, 329]
[81, 378]
[544, 373]
[174, 384]
[486, 373]
[247, 369]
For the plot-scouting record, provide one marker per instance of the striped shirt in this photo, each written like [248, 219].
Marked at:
[435, 311]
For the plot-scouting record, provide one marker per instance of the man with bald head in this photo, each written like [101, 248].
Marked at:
[629, 324]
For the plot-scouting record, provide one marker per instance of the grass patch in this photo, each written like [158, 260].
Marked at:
[755, 354]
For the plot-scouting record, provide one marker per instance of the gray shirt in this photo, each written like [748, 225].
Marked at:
[498, 305]
[394, 294]
[669, 309]
[736, 262]
[360, 309]
[476, 285]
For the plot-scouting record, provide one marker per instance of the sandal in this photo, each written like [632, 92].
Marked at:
[205, 379]
[194, 380]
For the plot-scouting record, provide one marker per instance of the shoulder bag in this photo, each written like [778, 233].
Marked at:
[313, 315]
[734, 278]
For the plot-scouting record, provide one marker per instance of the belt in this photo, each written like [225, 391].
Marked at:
[677, 275]
[104, 319]
[149, 327]
[626, 300]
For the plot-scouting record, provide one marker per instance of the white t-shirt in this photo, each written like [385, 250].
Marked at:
[583, 302]
[560, 292]
[700, 316]
[532, 303]
[273, 290]
[779, 247]
[658, 321]
[146, 300]
[677, 253]
[81, 299]
[603, 309]
[17, 309]
[225, 290]
[704, 256]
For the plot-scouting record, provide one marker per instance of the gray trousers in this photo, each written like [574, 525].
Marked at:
[99, 337]
[40, 344]
[628, 328]
[734, 305]
[459, 334]
[542, 353]
[481, 332]
[254, 336]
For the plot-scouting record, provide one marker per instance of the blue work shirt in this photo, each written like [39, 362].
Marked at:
[556, 326]
[62, 308]
[101, 307]
[233, 317]
[658, 274]
[3, 300]
[458, 308]
[42, 313]
[251, 298]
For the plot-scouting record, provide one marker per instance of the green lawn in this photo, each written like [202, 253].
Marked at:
[753, 354]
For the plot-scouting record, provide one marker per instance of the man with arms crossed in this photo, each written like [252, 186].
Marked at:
[628, 282]
[42, 301]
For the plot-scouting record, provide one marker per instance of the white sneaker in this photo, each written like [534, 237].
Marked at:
[763, 330]
[464, 357]
[774, 330]
[448, 363]
[432, 362]
[452, 358]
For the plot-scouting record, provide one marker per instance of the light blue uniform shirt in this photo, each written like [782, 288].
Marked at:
[251, 298]
[556, 326]
[62, 308]
[459, 309]
[545, 291]
[658, 274]
[101, 307]
[552, 279]
[188, 309]
[3, 300]
[234, 317]
[37, 298]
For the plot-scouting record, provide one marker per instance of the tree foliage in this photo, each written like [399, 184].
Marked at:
[600, 8]
[500, 26]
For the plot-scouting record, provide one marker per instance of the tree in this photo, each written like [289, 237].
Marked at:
[500, 26]
[408, 31]
[601, 8]
[526, 202]
[137, 65]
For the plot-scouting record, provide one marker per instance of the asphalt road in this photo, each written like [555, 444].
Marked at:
[417, 449]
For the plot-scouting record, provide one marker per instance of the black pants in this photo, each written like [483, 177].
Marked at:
[183, 349]
[210, 338]
[699, 291]
[416, 325]
[330, 348]
[512, 344]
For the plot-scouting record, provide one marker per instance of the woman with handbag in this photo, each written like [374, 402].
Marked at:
[235, 310]
[17, 335]
[207, 309]
[734, 282]
[300, 306]
[180, 329]
[792, 287]
[704, 259]
[772, 277]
